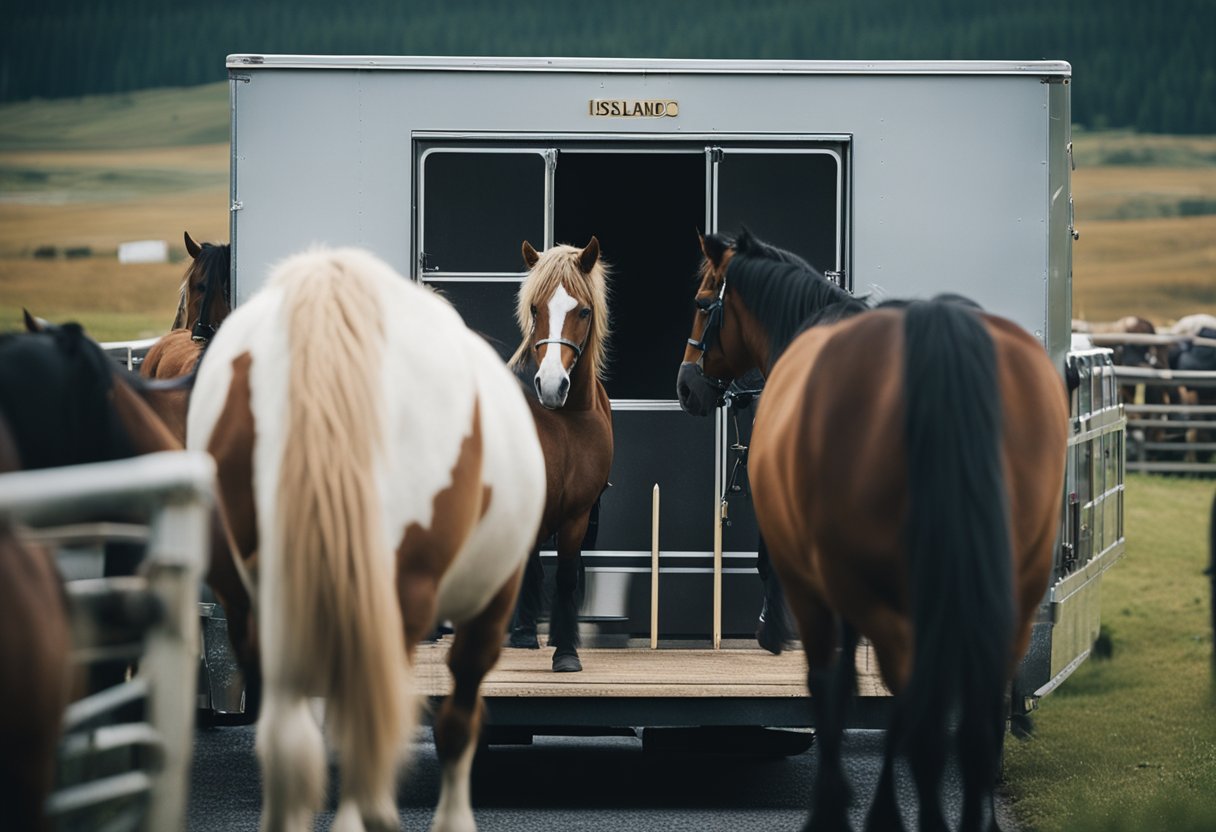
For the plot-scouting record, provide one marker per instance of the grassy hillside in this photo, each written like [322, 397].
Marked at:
[149, 118]
[92, 172]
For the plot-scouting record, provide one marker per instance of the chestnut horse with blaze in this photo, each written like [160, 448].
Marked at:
[907, 465]
[379, 471]
[563, 315]
[203, 304]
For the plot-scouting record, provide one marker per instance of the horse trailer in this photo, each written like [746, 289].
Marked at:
[895, 179]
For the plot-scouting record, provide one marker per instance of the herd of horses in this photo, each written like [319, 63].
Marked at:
[379, 470]
[1193, 347]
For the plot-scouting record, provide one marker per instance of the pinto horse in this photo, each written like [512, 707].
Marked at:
[907, 466]
[202, 306]
[379, 471]
[563, 316]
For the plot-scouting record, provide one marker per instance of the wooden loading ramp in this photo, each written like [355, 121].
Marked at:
[637, 686]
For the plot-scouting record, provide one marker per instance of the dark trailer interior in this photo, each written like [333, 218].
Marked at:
[645, 201]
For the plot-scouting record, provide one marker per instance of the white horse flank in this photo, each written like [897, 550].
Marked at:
[379, 470]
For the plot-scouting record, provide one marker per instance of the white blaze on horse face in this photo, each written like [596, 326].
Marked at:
[552, 372]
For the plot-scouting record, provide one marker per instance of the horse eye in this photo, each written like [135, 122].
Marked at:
[533, 311]
[585, 312]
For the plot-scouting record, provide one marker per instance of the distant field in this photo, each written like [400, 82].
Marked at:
[97, 171]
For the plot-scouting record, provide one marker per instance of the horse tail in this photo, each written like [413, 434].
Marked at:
[958, 541]
[341, 623]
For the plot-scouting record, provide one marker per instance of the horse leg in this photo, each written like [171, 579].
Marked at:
[773, 629]
[892, 639]
[475, 649]
[292, 753]
[563, 622]
[527, 609]
[817, 628]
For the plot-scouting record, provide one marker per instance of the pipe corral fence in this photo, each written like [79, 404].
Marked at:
[1178, 437]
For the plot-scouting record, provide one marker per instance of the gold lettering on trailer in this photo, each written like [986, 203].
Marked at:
[631, 108]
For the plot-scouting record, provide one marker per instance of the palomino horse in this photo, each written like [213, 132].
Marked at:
[34, 660]
[68, 403]
[379, 471]
[907, 466]
[202, 306]
[563, 316]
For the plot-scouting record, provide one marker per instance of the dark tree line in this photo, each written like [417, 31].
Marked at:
[1135, 64]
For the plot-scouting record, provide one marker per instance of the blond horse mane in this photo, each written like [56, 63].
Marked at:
[559, 266]
[337, 589]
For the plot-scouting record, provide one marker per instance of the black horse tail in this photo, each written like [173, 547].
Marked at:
[958, 547]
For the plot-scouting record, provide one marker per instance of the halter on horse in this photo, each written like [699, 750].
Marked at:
[203, 301]
[563, 315]
[363, 513]
[907, 466]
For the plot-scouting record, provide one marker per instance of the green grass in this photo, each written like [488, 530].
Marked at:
[1129, 743]
[149, 118]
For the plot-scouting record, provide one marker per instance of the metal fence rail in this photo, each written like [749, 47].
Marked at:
[159, 630]
[1170, 438]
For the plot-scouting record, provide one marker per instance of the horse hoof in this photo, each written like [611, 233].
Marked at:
[769, 640]
[566, 663]
[524, 639]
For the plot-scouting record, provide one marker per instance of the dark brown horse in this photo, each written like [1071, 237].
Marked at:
[202, 306]
[35, 646]
[907, 466]
[67, 403]
[563, 315]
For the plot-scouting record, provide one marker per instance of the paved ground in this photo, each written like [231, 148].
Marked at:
[584, 783]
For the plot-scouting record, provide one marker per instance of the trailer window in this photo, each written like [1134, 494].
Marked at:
[791, 199]
[478, 207]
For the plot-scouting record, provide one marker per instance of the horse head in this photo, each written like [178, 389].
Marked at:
[563, 317]
[711, 358]
[204, 297]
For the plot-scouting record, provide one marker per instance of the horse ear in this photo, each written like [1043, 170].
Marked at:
[530, 255]
[33, 324]
[714, 247]
[194, 248]
[591, 253]
[745, 241]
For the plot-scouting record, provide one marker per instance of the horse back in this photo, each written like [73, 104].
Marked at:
[829, 454]
[827, 450]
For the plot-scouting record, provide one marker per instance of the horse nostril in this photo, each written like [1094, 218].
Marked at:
[536, 384]
[563, 387]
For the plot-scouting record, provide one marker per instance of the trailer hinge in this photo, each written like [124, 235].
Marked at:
[424, 263]
[836, 277]
[716, 154]
[244, 79]
[551, 159]
[236, 206]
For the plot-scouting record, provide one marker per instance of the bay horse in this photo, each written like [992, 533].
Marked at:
[203, 303]
[907, 467]
[562, 312]
[35, 680]
[379, 471]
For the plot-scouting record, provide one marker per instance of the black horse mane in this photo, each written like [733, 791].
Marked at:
[55, 393]
[784, 291]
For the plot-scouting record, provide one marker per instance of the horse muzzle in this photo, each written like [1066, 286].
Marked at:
[697, 393]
